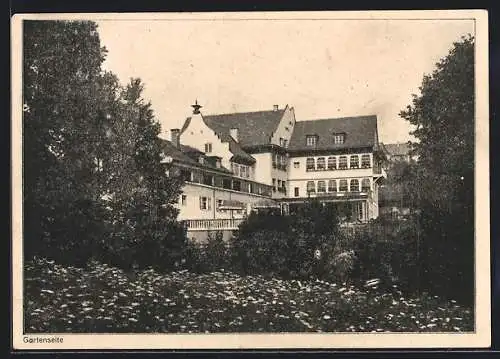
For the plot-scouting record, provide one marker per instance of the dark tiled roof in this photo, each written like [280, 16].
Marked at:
[254, 128]
[398, 149]
[360, 131]
[181, 155]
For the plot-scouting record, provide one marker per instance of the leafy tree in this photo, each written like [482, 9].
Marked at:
[61, 67]
[443, 178]
[93, 177]
[140, 195]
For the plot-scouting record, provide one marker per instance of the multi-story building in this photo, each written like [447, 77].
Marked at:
[336, 161]
[235, 163]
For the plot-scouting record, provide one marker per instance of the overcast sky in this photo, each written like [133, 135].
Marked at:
[323, 68]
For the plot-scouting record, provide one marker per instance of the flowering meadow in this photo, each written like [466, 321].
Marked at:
[103, 299]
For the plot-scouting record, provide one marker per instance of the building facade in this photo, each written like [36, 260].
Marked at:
[235, 163]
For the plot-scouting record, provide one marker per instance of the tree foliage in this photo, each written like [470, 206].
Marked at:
[91, 167]
[442, 180]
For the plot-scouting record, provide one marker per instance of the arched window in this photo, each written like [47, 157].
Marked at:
[354, 161]
[365, 161]
[343, 185]
[366, 185]
[310, 164]
[311, 187]
[343, 162]
[354, 185]
[321, 186]
[320, 163]
[332, 163]
[332, 186]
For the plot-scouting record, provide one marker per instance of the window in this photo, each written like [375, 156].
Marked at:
[296, 191]
[365, 185]
[275, 160]
[296, 164]
[365, 161]
[338, 138]
[205, 203]
[321, 186]
[332, 186]
[208, 147]
[250, 188]
[311, 187]
[354, 161]
[219, 204]
[320, 163]
[234, 168]
[310, 164]
[354, 185]
[243, 171]
[274, 184]
[236, 185]
[183, 199]
[311, 140]
[226, 183]
[282, 142]
[343, 162]
[186, 175]
[332, 163]
[285, 142]
[343, 185]
[208, 180]
[279, 183]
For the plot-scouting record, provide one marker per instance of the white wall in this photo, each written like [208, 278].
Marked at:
[193, 191]
[198, 133]
[302, 184]
[263, 167]
[285, 127]
[301, 173]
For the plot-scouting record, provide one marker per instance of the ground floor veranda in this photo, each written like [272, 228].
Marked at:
[354, 208]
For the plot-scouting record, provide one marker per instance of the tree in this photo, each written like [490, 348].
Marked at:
[145, 231]
[443, 177]
[61, 67]
[93, 177]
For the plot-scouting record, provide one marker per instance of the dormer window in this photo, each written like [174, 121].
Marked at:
[208, 147]
[338, 138]
[311, 140]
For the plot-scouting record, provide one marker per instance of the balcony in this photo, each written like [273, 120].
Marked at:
[212, 224]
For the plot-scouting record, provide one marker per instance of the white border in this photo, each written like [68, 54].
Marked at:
[480, 338]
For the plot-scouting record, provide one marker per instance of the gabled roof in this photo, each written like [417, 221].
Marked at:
[254, 128]
[397, 149]
[180, 155]
[222, 128]
[360, 131]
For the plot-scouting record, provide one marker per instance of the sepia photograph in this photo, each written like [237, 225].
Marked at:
[250, 180]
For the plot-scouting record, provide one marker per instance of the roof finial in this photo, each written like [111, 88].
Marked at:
[196, 107]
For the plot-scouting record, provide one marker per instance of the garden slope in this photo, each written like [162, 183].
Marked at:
[100, 298]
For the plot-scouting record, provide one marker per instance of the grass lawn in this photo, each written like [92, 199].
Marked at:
[103, 299]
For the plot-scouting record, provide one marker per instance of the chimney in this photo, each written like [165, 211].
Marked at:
[234, 134]
[175, 137]
[275, 107]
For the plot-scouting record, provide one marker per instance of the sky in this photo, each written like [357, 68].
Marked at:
[322, 68]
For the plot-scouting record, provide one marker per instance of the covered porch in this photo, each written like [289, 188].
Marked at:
[352, 207]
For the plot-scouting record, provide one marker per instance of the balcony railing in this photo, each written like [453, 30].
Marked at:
[213, 224]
